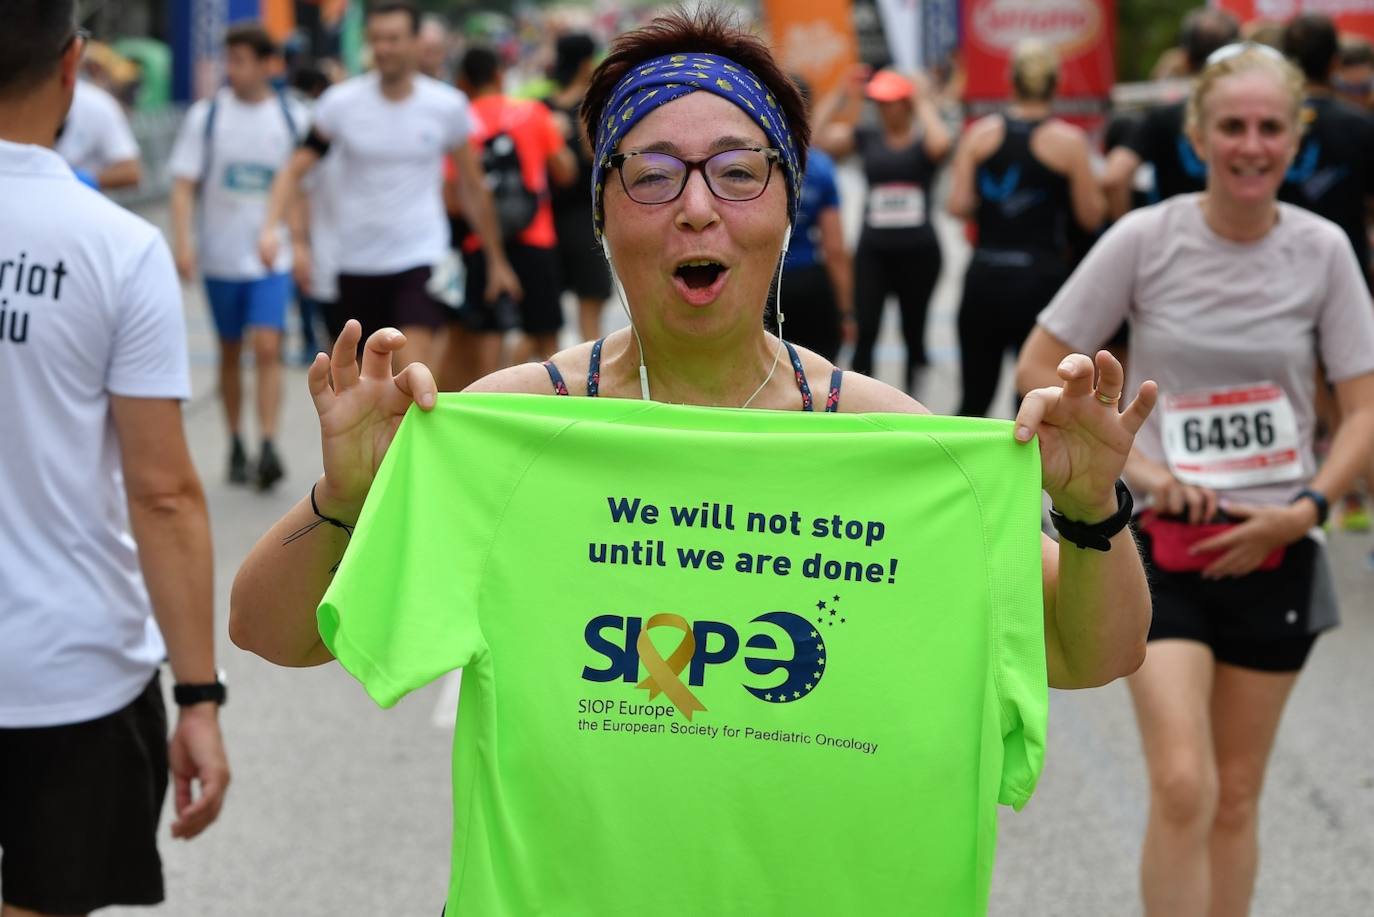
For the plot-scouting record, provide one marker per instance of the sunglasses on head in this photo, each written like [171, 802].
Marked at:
[1226, 52]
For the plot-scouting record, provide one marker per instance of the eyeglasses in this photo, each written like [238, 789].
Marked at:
[1226, 52]
[731, 175]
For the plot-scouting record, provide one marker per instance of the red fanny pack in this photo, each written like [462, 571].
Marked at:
[1171, 539]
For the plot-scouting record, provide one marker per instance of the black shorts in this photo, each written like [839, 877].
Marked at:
[539, 310]
[810, 314]
[389, 300]
[583, 266]
[1257, 621]
[79, 807]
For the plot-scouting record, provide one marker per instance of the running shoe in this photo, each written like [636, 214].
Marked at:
[270, 470]
[238, 463]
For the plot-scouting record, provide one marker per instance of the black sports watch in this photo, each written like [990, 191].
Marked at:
[1319, 501]
[189, 695]
[1096, 536]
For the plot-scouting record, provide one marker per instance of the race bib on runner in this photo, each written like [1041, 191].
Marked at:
[1229, 438]
[248, 178]
[896, 206]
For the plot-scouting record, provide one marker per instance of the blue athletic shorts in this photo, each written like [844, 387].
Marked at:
[239, 304]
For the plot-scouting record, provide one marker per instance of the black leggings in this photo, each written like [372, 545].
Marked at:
[911, 274]
[1003, 293]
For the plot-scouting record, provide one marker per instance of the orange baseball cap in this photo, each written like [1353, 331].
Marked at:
[889, 86]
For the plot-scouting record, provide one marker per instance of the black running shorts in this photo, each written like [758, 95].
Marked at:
[582, 265]
[1257, 621]
[79, 807]
[390, 300]
[539, 311]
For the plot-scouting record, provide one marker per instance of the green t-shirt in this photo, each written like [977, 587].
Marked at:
[718, 662]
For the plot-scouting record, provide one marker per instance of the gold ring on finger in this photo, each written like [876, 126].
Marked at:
[1109, 400]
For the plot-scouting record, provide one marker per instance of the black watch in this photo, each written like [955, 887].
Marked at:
[1096, 536]
[189, 695]
[1318, 500]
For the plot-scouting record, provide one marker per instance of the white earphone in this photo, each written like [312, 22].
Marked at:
[620, 295]
[782, 263]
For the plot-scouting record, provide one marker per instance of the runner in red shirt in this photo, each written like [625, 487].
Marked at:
[522, 148]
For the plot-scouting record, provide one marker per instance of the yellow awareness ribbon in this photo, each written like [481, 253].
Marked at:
[663, 674]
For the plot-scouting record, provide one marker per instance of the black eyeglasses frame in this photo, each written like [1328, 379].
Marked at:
[617, 160]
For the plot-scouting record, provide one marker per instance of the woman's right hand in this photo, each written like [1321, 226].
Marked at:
[360, 411]
[1170, 495]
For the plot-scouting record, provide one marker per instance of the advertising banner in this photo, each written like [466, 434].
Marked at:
[1356, 16]
[814, 38]
[1082, 31]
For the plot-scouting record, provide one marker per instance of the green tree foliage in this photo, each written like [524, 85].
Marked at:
[1144, 29]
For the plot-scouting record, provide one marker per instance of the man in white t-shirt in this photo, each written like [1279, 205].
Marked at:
[98, 142]
[391, 129]
[228, 153]
[105, 560]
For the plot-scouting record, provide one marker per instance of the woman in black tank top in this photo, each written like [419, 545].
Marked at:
[1022, 177]
[898, 252]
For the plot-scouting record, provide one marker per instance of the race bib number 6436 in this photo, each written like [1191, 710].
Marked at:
[1234, 437]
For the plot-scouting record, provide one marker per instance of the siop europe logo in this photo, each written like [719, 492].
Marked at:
[772, 644]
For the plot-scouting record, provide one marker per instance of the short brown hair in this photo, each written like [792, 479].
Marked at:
[709, 31]
[251, 35]
[386, 7]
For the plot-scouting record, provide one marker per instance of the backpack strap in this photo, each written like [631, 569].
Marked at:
[286, 113]
[207, 144]
[508, 110]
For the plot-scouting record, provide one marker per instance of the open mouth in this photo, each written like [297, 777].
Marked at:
[700, 274]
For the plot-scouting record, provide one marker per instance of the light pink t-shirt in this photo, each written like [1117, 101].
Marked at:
[1209, 313]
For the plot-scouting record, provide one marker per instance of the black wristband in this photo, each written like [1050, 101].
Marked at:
[1318, 500]
[316, 142]
[1096, 536]
[189, 695]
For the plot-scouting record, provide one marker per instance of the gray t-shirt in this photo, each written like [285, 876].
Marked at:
[1207, 313]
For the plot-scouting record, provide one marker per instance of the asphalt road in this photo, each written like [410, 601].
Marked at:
[338, 808]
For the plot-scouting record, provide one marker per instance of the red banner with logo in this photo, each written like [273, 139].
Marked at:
[1082, 31]
[1356, 16]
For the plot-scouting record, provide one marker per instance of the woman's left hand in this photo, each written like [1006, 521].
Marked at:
[1084, 438]
[1265, 529]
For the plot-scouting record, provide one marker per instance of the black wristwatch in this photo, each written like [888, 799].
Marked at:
[1319, 501]
[1096, 536]
[189, 695]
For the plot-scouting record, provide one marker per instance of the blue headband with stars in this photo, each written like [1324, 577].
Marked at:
[665, 79]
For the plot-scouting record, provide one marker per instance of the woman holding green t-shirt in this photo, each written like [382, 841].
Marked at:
[701, 144]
